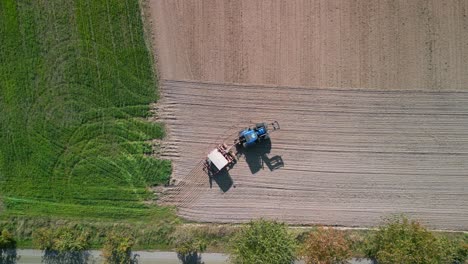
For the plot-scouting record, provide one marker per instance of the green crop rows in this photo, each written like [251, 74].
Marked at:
[76, 81]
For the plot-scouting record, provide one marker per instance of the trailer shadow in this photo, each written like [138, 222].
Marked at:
[223, 180]
[257, 157]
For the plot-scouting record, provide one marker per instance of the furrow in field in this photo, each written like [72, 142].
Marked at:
[349, 156]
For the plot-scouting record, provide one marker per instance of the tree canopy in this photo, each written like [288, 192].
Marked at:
[401, 240]
[118, 249]
[325, 246]
[263, 242]
[63, 245]
[7, 248]
[188, 246]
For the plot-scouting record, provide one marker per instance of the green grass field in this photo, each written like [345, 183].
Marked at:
[76, 81]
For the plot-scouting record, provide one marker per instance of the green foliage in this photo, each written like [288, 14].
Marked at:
[61, 239]
[118, 249]
[7, 248]
[76, 82]
[326, 246]
[148, 234]
[456, 250]
[262, 242]
[62, 245]
[188, 245]
[216, 237]
[6, 240]
[401, 240]
[460, 252]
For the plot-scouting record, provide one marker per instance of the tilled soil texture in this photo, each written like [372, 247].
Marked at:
[385, 132]
[349, 156]
[381, 44]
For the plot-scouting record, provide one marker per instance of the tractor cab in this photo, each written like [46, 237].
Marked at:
[261, 129]
[252, 135]
[249, 137]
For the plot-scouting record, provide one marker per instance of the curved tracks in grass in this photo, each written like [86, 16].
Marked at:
[80, 93]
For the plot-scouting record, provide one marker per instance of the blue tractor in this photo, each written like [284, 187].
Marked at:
[223, 157]
[252, 135]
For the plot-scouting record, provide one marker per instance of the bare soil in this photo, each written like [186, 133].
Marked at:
[371, 97]
[350, 156]
[377, 44]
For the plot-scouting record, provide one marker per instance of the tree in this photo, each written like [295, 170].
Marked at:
[460, 252]
[325, 246]
[261, 242]
[7, 248]
[188, 246]
[400, 240]
[118, 249]
[63, 245]
[456, 250]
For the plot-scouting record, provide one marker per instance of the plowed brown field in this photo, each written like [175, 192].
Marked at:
[371, 97]
[377, 44]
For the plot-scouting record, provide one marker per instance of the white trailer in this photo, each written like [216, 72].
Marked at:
[218, 159]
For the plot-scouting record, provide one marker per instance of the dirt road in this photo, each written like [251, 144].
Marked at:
[371, 97]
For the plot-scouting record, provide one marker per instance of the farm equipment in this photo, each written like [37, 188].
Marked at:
[219, 158]
[252, 135]
[223, 156]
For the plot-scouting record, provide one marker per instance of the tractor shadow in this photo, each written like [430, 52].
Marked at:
[257, 157]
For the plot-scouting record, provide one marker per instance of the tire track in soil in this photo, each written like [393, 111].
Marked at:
[350, 156]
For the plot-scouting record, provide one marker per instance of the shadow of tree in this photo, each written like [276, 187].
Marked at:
[190, 258]
[8, 256]
[8, 253]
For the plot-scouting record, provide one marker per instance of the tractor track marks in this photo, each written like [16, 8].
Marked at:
[371, 97]
[340, 168]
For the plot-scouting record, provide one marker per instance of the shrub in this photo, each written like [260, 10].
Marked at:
[62, 245]
[456, 250]
[7, 248]
[325, 246]
[263, 241]
[118, 249]
[401, 240]
[188, 246]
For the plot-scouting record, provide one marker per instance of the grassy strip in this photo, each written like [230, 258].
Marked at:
[160, 235]
[76, 82]
[149, 235]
